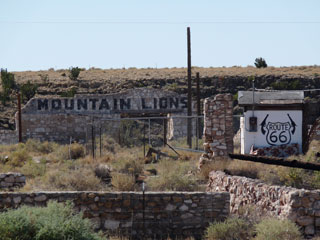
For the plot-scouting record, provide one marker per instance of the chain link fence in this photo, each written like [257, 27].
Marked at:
[149, 132]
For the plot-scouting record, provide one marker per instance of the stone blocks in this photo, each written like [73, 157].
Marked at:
[299, 205]
[11, 180]
[218, 130]
[163, 214]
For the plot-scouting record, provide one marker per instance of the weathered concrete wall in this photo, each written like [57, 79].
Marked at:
[12, 180]
[298, 205]
[218, 130]
[59, 119]
[8, 136]
[175, 214]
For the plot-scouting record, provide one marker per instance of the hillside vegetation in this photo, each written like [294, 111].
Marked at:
[213, 81]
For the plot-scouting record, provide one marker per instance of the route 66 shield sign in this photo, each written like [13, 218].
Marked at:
[278, 133]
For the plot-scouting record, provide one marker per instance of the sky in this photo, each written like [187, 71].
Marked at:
[43, 34]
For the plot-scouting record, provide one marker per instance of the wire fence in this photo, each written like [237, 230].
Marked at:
[148, 132]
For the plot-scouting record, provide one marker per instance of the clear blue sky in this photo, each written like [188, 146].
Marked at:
[40, 34]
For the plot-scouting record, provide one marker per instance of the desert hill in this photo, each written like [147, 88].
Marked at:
[212, 81]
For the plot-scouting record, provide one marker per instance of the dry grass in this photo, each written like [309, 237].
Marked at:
[174, 176]
[96, 75]
[48, 167]
[123, 182]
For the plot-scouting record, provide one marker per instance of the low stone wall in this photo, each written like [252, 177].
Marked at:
[8, 136]
[160, 214]
[11, 180]
[299, 205]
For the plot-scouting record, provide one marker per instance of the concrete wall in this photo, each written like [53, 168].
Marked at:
[299, 205]
[175, 214]
[274, 128]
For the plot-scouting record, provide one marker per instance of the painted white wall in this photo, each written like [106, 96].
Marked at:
[277, 129]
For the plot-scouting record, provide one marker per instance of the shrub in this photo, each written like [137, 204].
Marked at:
[274, 229]
[133, 166]
[8, 84]
[74, 73]
[123, 182]
[19, 157]
[286, 85]
[54, 222]
[231, 229]
[72, 151]
[173, 176]
[260, 63]
[28, 90]
[82, 179]
[41, 147]
[69, 93]
[32, 169]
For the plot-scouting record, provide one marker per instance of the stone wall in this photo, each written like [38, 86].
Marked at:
[12, 180]
[61, 119]
[175, 214]
[218, 127]
[298, 205]
[8, 136]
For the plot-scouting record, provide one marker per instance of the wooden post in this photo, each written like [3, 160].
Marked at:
[144, 138]
[92, 140]
[198, 107]
[100, 142]
[189, 126]
[19, 117]
[164, 132]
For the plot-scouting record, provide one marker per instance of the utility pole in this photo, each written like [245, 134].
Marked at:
[189, 126]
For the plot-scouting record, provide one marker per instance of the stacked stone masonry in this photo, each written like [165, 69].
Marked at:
[11, 181]
[64, 119]
[218, 127]
[174, 214]
[8, 136]
[299, 205]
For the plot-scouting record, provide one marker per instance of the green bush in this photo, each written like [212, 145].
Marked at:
[231, 229]
[28, 90]
[74, 73]
[19, 157]
[275, 229]
[54, 222]
[69, 93]
[260, 63]
[286, 85]
[73, 151]
[8, 84]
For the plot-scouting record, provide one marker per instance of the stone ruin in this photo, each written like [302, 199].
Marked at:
[218, 127]
[299, 205]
